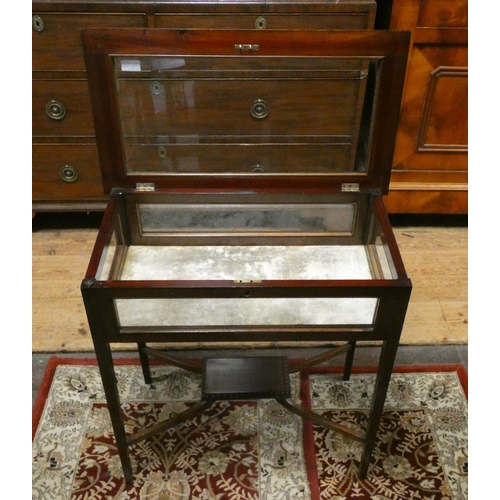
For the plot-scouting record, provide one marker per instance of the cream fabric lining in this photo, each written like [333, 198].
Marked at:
[246, 263]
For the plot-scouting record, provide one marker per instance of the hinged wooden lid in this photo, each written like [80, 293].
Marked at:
[245, 110]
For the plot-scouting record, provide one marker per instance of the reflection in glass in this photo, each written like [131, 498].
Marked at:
[315, 107]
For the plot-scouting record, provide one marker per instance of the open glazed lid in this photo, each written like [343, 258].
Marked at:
[245, 110]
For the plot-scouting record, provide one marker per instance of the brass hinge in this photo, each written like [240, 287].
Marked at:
[350, 187]
[145, 186]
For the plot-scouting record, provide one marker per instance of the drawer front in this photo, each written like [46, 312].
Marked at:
[61, 108]
[66, 171]
[354, 20]
[237, 159]
[56, 37]
[287, 107]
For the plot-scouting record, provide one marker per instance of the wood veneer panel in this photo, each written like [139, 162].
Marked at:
[59, 48]
[73, 95]
[429, 201]
[432, 133]
[272, 21]
[48, 159]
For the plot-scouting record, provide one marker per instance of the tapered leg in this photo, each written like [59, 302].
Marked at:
[348, 360]
[386, 363]
[105, 362]
[99, 311]
[146, 369]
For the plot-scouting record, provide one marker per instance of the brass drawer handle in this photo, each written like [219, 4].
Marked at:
[68, 173]
[259, 109]
[260, 23]
[258, 168]
[38, 24]
[55, 110]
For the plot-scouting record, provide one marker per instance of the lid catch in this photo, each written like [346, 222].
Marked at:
[350, 187]
[246, 46]
[145, 186]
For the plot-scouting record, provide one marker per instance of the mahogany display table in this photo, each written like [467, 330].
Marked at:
[249, 214]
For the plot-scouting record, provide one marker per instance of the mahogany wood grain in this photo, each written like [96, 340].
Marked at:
[302, 21]
[49, 158]
[58, 47]
[73, 95]
[430, 159]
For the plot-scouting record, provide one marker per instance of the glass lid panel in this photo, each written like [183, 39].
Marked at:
[233, 115]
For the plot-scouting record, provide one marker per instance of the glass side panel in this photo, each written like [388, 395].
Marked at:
[333, 218]
[234, 115]
[108, 259]
[383, 267]
[246, 312]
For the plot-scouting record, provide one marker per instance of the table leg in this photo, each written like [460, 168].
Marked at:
[106, 367]
[348, 361]
[146, 369]
[386, 363]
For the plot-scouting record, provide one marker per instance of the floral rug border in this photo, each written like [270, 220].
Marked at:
[309, 385]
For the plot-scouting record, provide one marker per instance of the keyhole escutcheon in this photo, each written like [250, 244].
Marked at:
[260, 23]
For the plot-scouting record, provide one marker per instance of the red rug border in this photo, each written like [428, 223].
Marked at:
[55, 361]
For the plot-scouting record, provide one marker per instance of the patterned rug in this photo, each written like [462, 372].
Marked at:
[250, 450]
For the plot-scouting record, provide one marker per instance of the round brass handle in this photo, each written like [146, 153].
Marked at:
[259, 109]
[260, 23]
[55, 110]
[68, 173]
[38, 24]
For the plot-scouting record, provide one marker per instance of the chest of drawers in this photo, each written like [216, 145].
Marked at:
[246, 171]
[66, 173]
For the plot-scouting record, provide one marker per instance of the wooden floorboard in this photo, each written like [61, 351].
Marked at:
[435, 260]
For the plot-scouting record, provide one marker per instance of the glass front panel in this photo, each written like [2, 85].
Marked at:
[234, 115]
[246, 312]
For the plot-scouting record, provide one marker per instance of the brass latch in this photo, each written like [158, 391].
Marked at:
[350, 187]
[145, 186]
[246, 46]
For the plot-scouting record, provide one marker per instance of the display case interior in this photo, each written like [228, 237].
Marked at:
[243, 241]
